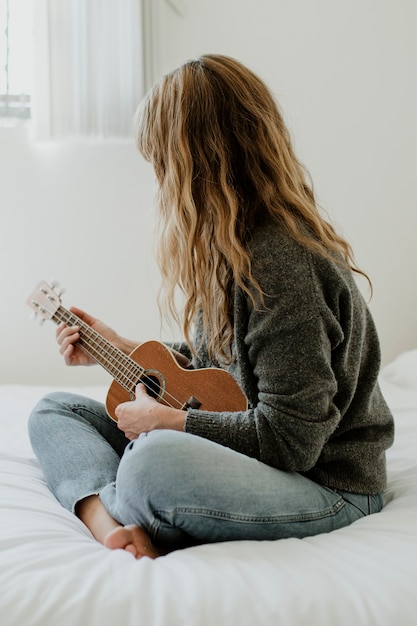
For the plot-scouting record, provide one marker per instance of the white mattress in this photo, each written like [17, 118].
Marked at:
[52, 572]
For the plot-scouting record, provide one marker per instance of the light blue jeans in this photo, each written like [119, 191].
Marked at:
[182, 489]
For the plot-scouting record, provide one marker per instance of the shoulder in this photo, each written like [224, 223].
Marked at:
[281, 263]
[300, 282]
[269, 240]
[276, 256]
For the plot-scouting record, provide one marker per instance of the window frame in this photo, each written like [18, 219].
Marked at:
[14, 107]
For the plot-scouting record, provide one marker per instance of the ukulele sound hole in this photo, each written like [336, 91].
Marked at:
[152, 384]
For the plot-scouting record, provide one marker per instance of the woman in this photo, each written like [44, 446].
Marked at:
[270, 296]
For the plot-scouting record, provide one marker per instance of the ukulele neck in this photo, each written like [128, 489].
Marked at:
[120, 366]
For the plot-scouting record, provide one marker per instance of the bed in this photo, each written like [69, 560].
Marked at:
[53, 572]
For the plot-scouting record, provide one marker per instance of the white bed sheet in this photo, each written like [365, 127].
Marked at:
[52, 572]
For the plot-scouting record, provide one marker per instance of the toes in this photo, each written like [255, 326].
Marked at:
[133, 539]
[131, 548]
[117, 538]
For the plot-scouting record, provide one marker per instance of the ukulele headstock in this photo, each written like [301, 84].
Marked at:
[45, 300]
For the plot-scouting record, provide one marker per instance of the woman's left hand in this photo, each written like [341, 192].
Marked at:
[145, 414]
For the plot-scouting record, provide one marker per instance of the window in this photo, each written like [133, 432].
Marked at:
[93, 60]
[16, 59]
[77, 68]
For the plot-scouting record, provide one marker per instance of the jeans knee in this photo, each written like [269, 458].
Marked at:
[146, 457]
[41, 415]
[150, 468]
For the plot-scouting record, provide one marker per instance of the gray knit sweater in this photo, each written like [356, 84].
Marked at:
[308, 364]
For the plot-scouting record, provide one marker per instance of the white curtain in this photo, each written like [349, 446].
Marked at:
[89, 68]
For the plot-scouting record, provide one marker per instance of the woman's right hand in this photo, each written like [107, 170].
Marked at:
[67, 337]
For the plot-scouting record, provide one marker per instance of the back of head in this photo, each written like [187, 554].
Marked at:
[224, 162]
[212, 128]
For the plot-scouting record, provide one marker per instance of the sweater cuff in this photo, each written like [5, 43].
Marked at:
[204, 424]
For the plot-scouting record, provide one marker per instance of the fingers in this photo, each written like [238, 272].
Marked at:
[140, 390]
[85, 317]
[66, 335]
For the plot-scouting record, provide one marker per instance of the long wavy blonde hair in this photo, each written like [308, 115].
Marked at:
[223, 160]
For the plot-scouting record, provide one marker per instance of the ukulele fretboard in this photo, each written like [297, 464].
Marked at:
[121, 367]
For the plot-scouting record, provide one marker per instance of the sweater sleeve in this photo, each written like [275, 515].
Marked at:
[284, 353]
[295, 413]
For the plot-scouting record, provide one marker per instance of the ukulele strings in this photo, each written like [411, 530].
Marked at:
[125, 370]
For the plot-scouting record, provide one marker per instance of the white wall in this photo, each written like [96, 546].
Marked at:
[344, 73]
[82, 214]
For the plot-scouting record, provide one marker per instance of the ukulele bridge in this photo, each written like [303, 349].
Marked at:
[192, 403]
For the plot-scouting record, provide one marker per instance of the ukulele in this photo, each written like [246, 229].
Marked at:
[151, 363]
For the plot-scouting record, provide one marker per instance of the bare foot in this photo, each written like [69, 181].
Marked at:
[133, 539]
[107, 531]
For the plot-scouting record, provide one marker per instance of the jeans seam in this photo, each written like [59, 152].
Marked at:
[272, 519]
[358, 508]
[154, 528]
[76, 407]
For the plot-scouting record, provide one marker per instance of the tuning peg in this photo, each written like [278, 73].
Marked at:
[54, 285]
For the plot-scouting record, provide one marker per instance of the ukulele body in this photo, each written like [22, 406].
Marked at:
[208, 389]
